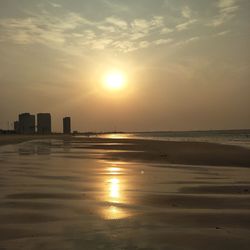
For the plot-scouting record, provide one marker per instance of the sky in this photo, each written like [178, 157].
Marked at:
[185, 63]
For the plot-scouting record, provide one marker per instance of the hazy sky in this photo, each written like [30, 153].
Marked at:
[186, 62]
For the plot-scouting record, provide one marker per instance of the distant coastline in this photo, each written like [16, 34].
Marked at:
[197, 131]
[240, 137]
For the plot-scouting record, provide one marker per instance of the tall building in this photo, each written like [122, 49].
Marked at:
[66, 125]
[44, 123]
[27, 123]
[16, 127]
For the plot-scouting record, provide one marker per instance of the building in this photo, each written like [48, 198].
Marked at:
[27, 123]
[44, 123]
[16, 127]
[66, 125]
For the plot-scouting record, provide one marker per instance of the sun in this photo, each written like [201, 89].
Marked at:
[115, 81]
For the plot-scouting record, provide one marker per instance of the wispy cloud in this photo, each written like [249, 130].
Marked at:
[166, 30]
[145, 26]
[74, 33]
[55, 5]
[227, 10]
[185, 25]
[186, 12]
[163, 41]
[187, 15]
[223, 33]
[222, 4]
[117, 22]
[44, 29]
[73, 30]
[187, 41]
[117, 7]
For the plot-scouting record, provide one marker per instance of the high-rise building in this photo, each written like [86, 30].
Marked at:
[66, 125]
[43, 123]
[16, 127]
[27, 123]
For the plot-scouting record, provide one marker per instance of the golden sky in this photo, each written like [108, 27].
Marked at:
[184, 65]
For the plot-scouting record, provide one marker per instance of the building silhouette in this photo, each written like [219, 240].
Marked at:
[16, 127]
[66, 125]
[26, 123]
[43, 123]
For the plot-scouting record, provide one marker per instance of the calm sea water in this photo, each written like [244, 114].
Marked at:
[230, 137]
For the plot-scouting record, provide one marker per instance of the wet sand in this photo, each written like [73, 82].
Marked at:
[188, 153]
[14, 139]
[79, 193]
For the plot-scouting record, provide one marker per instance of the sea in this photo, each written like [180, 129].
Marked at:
[228, 137]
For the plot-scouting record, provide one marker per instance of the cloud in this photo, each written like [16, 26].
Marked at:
[137, 35]
[145, 26]
[125, 46]
[117, 7]
[74, 33]
[184, 26]
[163, 41]
[187, 41]
[192, 39]
[88, 34]
[166, 30]
[55, 5]
[106, 28]
[222, 4]
[141, 24]
[101, 44]
[44, 29]
[227, 10]
[144, 44]
[117, 22]
[186, 12]
[223, 33]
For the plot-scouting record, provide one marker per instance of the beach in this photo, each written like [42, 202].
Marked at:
[188, 153]
[73, 192]
[16, 138]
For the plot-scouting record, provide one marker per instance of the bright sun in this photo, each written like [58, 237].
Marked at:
[115, 81]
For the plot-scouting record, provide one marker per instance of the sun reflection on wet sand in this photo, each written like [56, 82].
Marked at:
[114, 193]
[114, 170]
[117, 136]
[115, 213]
[114, 190]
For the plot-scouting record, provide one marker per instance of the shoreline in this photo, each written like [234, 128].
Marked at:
[171, 152]
[151, 151]
[16, 139]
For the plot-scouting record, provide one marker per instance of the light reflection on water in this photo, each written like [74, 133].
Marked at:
[114, 195]
[114, 190]
[117, 136]
[114, 170]
[115, 213]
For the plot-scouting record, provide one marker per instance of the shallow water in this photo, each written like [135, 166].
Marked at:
[59, 195]
[227, 137]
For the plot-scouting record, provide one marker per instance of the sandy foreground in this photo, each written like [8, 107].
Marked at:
[91, 193]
